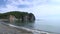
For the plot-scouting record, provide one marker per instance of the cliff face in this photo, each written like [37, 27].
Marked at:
[29, 17]
[23, 16]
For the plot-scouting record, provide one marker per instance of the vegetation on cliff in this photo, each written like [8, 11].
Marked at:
[18, 15]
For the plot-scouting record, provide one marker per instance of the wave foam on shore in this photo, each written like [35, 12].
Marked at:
[27, 29]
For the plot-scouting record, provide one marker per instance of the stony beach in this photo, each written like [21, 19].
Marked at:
[5, 29]
[10, 30]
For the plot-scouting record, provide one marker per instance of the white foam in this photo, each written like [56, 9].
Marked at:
[11, 25]
[31, 30]
[34, 31]
[27, 29]
[24, 28]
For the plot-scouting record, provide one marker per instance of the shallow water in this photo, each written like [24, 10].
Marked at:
[50, 25]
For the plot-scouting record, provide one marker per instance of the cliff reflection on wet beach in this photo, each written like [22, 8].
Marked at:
[27, 24]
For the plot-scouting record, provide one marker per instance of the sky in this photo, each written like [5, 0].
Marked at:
[40, 8]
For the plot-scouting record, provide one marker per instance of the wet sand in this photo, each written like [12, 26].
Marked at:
[5, 29]
[10, 30]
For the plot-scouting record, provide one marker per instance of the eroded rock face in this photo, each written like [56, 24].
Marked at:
[12, 18]
[31, 17]
[23, 16]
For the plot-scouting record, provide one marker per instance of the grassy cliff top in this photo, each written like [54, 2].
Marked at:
[17, 14]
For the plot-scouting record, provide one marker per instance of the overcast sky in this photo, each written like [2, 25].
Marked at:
[40, 8]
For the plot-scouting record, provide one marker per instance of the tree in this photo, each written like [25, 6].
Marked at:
[18, 15]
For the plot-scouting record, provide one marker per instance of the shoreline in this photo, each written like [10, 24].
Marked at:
[28, 30]
[5, 29]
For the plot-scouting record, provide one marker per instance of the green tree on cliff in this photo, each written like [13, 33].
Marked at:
[17, 14]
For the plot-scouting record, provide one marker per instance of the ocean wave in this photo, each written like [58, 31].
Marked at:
[27, 29]
[23, 28]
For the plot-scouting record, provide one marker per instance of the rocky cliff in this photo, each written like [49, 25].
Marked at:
[23, 16]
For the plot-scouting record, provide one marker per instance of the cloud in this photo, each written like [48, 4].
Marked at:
[21, 4]
[39, 8]
[33, 6]
[54, 2]
[3, 3]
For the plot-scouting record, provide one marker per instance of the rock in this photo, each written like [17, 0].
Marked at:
[31, 17]
[12, 18]
[22, 16]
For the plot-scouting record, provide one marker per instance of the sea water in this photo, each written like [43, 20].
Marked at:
[49, 25]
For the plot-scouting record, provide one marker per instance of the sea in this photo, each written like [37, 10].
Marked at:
[47, 24]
